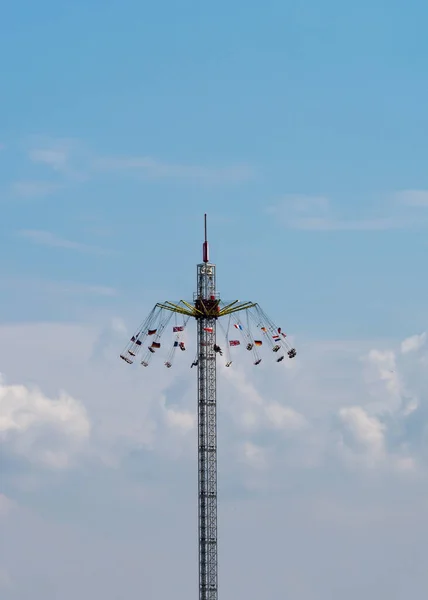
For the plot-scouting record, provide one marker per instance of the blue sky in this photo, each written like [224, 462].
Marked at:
[301, 129]
[237, 108]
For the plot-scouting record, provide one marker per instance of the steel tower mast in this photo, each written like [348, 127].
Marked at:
[206, 309]
[206, 296]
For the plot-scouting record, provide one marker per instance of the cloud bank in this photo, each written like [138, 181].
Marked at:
[365, 421]
[400, 210]
[44, 431]
[323, 462]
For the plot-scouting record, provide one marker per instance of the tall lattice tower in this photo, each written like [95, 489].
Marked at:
[207, 309]
[206, 303]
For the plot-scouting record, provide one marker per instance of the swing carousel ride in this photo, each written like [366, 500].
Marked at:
[252, 332]
[240, 324]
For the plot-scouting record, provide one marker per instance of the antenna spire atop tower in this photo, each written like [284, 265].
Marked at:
[205, 250]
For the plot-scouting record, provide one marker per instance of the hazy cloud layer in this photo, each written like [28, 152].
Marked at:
[47, 238]
[33, 189]
[72, 159]
[364, 419]
[399, 210]
[322, 461]
[40, 429]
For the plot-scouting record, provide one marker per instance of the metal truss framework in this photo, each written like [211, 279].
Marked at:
[207, 460]
[207, 435]
[206, 309]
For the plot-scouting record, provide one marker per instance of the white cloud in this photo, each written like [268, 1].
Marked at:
[73, 160]
[284, 417]
[413, 343]
[288, 411]
[33, 189]
[253, 455]
[331, 514]
[55, 158]
[406, 464]
[42, 430]
[6, 505]
[383, 369]
[65, 156]
[393, 382]
[80, 288]
[155, 169]
[364, 434]
[252, 410]
[416, 198]
[33, 286]
[318, 213]
[47, 238]
[184, 421]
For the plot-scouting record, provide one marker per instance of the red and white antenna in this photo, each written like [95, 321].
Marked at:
[205, 248]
